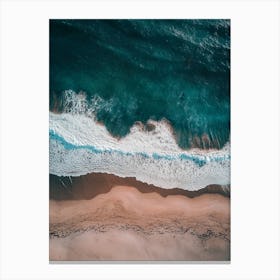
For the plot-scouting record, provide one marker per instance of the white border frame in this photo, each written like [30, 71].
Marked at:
[254, 129]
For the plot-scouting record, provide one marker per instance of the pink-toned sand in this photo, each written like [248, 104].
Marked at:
[125, 224]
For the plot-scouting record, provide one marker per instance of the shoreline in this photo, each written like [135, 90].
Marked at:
[90, 185]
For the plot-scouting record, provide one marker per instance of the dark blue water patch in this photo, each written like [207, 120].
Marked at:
[148, 69]
[198, 160]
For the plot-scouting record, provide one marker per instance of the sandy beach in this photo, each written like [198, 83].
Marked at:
[121, 222]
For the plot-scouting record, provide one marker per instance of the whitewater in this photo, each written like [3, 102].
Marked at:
[80, 145]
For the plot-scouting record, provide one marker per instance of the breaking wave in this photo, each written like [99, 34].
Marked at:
[80, 145]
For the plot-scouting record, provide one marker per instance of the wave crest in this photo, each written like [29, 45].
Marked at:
[79, 145]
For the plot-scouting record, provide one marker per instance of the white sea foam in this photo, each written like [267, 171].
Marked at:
[79, 145]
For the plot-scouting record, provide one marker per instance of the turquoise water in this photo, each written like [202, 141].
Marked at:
[178, 70]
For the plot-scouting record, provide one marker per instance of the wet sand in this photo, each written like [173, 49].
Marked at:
[90, 185]
[126, 224]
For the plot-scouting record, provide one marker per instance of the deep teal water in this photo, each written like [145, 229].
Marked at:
[147, 69]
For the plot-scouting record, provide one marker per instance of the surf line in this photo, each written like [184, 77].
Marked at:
[199, 160]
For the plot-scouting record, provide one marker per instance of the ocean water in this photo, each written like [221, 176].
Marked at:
[142, 98]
